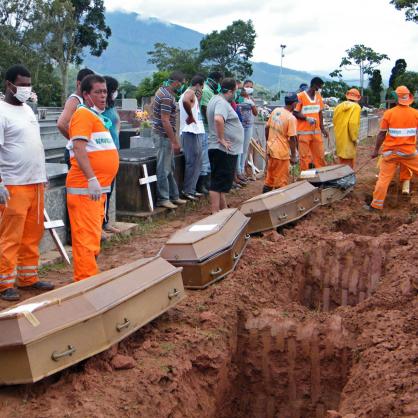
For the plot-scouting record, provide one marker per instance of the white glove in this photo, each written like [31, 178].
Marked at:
[4, 194]
[311, 121]
[95, 191]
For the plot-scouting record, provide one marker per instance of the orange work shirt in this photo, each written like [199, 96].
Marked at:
[282, 125]
[87, 125]
[309, 108]
[400, 124]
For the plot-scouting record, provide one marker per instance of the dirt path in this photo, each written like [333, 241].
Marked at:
[320, 316]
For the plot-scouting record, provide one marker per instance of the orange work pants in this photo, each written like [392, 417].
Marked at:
[86, 219]
[388, 167]
[311, 148]
[405, 173]
[348, 161]
[277, 173]
[21, 230]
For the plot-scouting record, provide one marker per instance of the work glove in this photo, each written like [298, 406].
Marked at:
[4, 194]
[95, 191]
[311, 121]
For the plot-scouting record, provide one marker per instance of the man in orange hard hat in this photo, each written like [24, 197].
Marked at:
[398, 136]
[346, 121]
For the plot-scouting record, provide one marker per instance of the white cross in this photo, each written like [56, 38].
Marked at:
[50, 226]
[252, 165]
[147, 180]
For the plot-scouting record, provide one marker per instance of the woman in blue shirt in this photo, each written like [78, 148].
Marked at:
[112, 114]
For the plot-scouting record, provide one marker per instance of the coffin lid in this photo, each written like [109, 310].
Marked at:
[50, 312]
[206, 237]
[276, 198]
[328, 173]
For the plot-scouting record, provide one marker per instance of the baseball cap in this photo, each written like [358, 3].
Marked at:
[291, 98]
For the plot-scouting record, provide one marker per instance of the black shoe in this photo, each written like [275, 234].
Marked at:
[198, 195]
[189, 196]
[371, 209]
[11, 294]
[267, 189]
[44, 286]
[201, 186]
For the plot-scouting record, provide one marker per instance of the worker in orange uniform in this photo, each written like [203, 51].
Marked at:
[281, 137]
[22, 179]
[346, 122]
[94, 164]
[308, 112]
[398, 136]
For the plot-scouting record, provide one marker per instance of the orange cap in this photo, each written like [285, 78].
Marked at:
[404, 96]
[353, 94]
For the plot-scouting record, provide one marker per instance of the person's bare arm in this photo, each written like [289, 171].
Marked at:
[63, 122]
[267, 131]
[220, 131]
[165, 120]
[299, 115]
[293, 140]
[321, 124]
[379, 141]
[80, 154]
[188, 103]
[254, 110]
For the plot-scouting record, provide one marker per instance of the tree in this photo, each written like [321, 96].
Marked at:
[167, 58]
[397, 70]
[408, 79]
[375, 86]
[149, 85]
[409, 6]
[335, 88]
[229, 50]
[71, 26]
[363, 58]
[127, 89]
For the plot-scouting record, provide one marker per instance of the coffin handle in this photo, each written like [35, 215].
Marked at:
[247, 237]
[236, 256]
[301, 209]
[125, 324]
[284, 216]
[56, 355]
[175, 293]
[316, 200]
[216, 271]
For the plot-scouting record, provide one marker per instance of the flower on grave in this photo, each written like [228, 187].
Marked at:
[141, 115]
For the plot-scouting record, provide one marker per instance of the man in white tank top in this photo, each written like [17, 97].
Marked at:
[192, 132]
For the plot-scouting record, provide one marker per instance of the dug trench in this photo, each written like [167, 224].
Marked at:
[318, 317]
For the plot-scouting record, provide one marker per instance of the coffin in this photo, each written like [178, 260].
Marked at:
[209, 249]
[130, 196]
[55, 330]
[280, 206]
[335, 181]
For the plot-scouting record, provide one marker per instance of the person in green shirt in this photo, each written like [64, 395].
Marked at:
[211, 88]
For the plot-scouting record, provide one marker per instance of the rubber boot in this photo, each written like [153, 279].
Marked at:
[267, 189]
[406, 187]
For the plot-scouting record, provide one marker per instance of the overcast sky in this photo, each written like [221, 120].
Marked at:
[316, 32]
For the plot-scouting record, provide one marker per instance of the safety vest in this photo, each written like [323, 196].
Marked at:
[309, 108]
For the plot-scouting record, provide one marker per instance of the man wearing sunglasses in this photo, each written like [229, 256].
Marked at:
[94, 164]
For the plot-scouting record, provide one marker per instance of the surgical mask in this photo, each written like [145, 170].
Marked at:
[115, 95]
[249, 90]
[94, 107]
[319, 91]
[23, 93]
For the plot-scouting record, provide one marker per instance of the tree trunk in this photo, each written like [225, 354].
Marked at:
[64, 81]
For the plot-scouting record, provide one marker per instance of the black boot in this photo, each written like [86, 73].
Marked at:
[201, 185]
[267, 189]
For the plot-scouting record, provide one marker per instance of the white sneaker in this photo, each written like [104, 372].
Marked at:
[406, 187]
[167, 205]
[180, 201]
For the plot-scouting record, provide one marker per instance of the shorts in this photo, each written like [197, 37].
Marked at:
[222, 166]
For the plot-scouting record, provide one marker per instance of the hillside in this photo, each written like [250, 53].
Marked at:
[132, 37]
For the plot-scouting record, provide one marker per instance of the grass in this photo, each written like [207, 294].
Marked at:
[42, 272]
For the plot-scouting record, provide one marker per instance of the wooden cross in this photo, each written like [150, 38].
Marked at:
[147, 180]
[50, 226]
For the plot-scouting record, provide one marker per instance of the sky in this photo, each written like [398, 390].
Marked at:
[316, 33]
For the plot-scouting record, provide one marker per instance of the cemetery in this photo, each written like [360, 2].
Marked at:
[286, 290]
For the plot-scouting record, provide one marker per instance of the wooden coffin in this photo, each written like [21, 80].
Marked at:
[209, 249]
[280, 206]
[325, 178]
[55, 330]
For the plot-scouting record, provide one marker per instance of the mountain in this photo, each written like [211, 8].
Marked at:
[133, 36]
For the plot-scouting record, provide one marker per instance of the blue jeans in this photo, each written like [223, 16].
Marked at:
[166, 184]
[242, 158]
[192, 148]
[205, 156]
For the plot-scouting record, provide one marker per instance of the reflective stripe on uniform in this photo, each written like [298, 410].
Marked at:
[399, 132]
[33, 273]
[84, 190]
[308, 132]
[310, 109]
[399, 154]
[27, 267]
[6, 276]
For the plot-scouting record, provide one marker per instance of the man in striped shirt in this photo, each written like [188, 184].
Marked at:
[165, 140]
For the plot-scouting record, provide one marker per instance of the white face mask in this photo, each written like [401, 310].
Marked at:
[249, 90]
[115, 95]
[94, 107]
[319, 91]
[23, 93]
